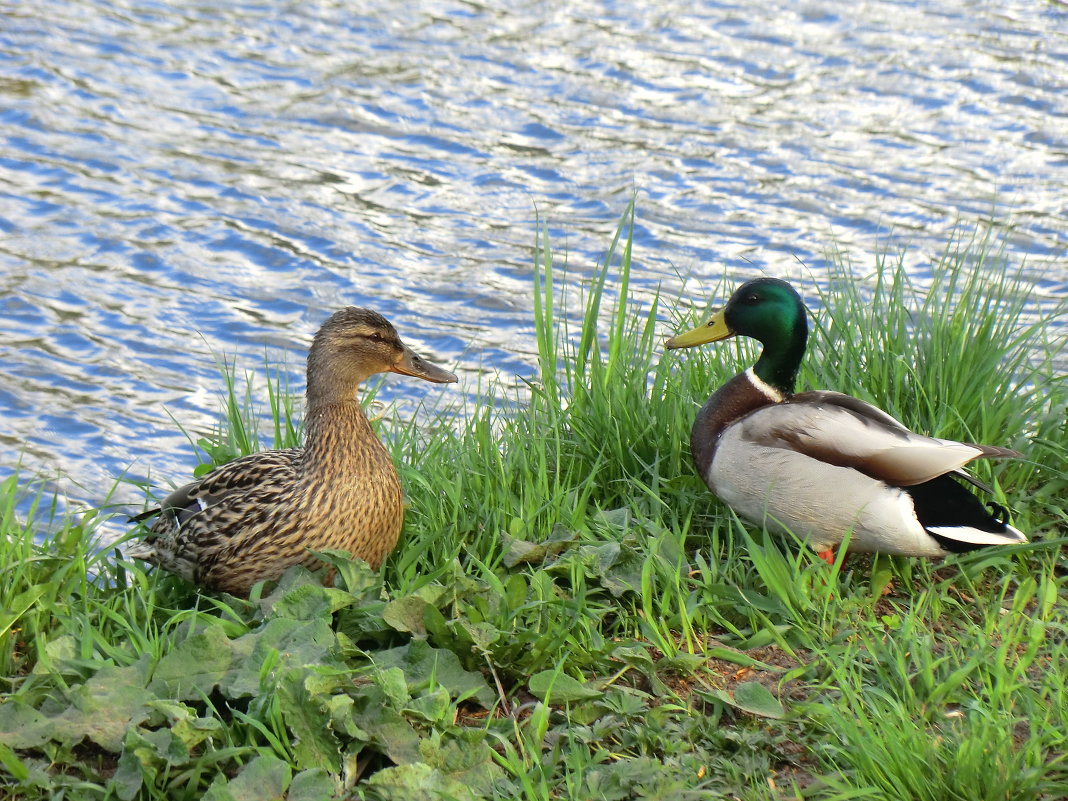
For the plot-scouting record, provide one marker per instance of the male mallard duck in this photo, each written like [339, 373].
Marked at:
[824, 464]
[252, 518]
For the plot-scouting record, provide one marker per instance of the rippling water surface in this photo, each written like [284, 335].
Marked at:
[178, 178]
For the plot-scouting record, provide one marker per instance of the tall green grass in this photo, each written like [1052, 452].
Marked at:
[570, 613]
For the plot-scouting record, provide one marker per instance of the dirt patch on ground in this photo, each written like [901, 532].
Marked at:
[771, 663]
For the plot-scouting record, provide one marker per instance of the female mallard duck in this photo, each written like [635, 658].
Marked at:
[822, 464]
[252, 518]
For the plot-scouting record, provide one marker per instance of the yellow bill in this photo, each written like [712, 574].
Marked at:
[712, 331]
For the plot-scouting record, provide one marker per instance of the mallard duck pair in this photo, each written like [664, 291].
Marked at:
[822, 465]
[251, 519]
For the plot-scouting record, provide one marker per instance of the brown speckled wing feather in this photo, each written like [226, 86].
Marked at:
[243, 533]
[224, 481]
[238, 501]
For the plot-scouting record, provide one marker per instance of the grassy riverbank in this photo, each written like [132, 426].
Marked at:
[571, 615]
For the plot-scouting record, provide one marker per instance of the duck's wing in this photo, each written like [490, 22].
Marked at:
[221, 484]
[845, 431]
[199, 524]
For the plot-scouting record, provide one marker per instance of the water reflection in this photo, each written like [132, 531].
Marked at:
[178, 178]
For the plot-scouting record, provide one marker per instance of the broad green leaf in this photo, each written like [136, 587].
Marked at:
[882, 574]
[314, 743]
[619, 569]
[128, 777]
[340, 709]
[311, 601]
[752, 697]
[174, 710]
[633, 654]
[353, 575]
[194, 731]
[533, 553]
[58, 653]
[184, 723]
[515, 591]
[423, 664]
[616, 566]
[407, 614]
[466, 757]
[384, 727]
[194, 667]
[614, 518]
[166, 745]
[312, 785]
[22, 726]
[308, 642]
[435, 622]
[420, 782]
[394, 685]
[102, 708]
[263, 779]
[433, 706]
[681, 662]
[285, 642]
[552, 686]
[482, 635]
[639, 659]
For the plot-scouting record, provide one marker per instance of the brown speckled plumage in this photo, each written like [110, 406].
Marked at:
[251, 519]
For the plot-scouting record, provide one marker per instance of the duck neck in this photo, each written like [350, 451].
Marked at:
[332, 434]
[743, 394]
[780, 359]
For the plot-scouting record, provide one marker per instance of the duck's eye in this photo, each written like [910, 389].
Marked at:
[375, 337]
[752, 300]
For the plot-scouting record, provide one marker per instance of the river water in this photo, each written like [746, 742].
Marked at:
[179, 179]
